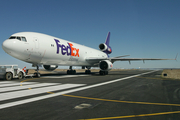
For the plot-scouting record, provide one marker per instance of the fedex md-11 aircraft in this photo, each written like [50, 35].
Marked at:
[51, 52]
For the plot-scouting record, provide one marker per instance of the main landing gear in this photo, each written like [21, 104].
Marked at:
[71, 71]
[88, 71]
[103, 72]
[37, 74]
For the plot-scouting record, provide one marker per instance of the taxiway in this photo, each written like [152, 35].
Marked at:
[129, 94]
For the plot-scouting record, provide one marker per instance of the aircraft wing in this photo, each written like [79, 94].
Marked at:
[93, 59]
[123, 59]
[135, 59]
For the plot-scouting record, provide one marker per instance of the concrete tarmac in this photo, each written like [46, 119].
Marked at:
[126, 95]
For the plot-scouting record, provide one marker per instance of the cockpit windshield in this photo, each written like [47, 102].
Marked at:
[18, 38]
[23, 39]
[12, 37]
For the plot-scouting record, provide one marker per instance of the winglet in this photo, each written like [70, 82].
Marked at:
[176, 57]
[107, 39]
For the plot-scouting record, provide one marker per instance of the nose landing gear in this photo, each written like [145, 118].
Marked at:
[37, 74]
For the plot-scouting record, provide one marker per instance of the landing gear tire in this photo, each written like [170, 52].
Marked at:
[103, 72]
[68, 72]
[20, 75]
[71, 72]
[74, 71]
[9, 76]
[36, 74]
[87, 72]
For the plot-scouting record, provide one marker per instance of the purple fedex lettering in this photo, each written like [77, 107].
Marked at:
[68, 50]
[64, 49]
[58, 45]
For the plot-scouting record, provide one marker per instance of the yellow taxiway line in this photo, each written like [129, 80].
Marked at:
[50, 92]
[131, 116]
[131, 102]
[28, 80]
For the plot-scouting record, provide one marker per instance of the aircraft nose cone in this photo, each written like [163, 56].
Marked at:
[6, 45]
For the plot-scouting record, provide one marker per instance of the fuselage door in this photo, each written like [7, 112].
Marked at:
[36, 42]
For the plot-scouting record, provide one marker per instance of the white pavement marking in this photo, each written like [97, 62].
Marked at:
[6, 105]
[5, 89]
[24, 93]
[7, 82]
[64, 76]
[17, 83]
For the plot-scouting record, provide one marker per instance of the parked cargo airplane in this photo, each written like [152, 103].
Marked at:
[40, 49]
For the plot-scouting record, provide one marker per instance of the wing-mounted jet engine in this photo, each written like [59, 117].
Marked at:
[50, 67]
[105, 65]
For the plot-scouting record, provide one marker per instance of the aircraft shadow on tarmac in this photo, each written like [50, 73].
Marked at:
[82, 73]
[63, 74]
[56, 74]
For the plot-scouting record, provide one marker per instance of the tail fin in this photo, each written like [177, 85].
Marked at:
[107, 39]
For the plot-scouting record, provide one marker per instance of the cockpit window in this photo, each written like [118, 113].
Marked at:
[19, 38]
[24, 39]
[12, 37]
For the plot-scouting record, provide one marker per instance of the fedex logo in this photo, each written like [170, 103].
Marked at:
[67, 50]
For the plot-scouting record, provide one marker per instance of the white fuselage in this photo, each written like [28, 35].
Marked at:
[41, 49]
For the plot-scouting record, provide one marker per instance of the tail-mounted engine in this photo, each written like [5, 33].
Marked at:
[103, 47]
[50, 67]
[105, 65]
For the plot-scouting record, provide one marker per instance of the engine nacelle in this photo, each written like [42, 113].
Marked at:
[105, 65]
[50, 67]
[103, 47]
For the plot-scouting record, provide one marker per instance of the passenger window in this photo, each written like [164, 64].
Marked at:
[18, 38]
[24, 39]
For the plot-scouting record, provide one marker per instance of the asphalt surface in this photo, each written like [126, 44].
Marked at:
[125, 95]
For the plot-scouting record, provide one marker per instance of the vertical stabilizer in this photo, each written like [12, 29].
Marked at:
[107, 39]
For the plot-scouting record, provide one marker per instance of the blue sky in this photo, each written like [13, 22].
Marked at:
[139, 28]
